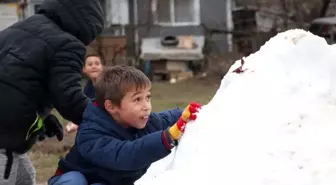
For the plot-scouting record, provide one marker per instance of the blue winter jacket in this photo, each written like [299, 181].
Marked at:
[107, 153]
[89, 90]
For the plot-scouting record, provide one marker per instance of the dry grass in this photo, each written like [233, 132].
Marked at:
[44, 164]
[45, 155]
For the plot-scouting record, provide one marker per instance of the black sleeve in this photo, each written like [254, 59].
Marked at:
[65, 81]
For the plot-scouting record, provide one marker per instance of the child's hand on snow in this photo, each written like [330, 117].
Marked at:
[189, 113]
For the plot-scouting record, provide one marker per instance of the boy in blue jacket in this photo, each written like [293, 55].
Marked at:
[120, 137]
[92, 68]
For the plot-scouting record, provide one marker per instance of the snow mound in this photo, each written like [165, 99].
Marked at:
[273, 124]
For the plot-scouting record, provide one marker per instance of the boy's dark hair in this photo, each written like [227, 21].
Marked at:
[115, 81]
[94, 55]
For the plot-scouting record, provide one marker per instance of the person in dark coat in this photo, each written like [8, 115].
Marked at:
[41, 59]
[120, 137]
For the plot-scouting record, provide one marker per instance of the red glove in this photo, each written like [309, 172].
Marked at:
[189, 113]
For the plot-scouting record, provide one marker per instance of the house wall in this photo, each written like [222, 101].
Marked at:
[30, 9]
[212, 12]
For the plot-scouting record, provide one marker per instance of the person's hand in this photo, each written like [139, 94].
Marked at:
[71, 127]
[189, 113]
[52, 128]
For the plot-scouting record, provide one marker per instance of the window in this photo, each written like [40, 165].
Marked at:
[176, 12]
[36, 8]
[117, 12]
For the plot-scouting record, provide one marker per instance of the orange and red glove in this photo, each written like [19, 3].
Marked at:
[188, 114]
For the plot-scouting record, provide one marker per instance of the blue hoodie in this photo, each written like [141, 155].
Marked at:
[107, 153]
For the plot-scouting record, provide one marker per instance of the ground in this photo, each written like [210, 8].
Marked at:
[45, 155]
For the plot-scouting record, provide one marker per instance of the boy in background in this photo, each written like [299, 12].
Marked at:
[92, 68]
[120, 137]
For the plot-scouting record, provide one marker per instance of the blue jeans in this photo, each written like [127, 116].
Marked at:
[70, 178]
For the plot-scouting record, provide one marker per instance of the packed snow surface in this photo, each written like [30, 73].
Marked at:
[273, 124]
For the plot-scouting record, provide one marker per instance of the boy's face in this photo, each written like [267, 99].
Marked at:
[134, 108]
[93, 67]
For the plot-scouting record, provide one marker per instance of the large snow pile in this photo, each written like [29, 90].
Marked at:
[273, 124]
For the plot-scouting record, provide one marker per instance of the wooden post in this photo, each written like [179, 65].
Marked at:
[130, 31]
